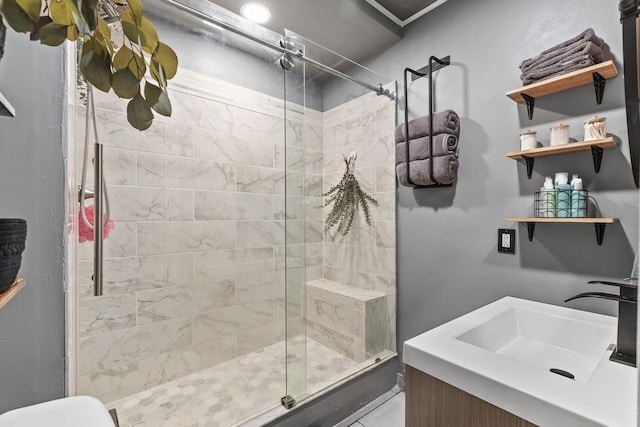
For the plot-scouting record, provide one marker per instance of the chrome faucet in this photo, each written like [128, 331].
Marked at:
[625, 351]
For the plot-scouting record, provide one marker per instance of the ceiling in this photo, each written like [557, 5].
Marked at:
[357, 29]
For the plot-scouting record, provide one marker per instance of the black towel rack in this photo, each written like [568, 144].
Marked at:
[435, 64]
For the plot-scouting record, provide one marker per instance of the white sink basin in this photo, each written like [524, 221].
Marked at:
[544, 340]
[77, 411]
[503, 353]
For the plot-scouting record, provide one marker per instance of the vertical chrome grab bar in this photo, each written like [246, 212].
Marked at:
[98, 220]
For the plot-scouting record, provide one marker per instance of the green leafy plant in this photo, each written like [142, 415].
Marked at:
[106, 64]
[347, 197]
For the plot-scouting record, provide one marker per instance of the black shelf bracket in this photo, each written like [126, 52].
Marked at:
[529, 161]
[596, 153]
[598, 83]
[434, 65]
[600, 227]
[531, 227]
[530, 101]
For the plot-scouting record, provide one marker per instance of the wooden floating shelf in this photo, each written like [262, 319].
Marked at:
[564, 82]
[6, 109]
[567, 220]
[572, 147]
[597, 147]
[11, 292]
[599, 223]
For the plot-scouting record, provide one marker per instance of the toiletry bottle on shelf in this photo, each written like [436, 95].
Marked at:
[563, 195]
[547, 200]
[578, 198]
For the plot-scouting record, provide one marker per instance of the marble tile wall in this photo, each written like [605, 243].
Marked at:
[195, 267]
[365, 257]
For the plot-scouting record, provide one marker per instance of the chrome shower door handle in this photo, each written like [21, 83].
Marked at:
[98, 221]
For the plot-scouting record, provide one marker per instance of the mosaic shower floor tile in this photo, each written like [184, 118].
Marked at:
[228, 394]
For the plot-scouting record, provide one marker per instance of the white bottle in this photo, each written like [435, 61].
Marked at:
[547, 200]
[578, 198]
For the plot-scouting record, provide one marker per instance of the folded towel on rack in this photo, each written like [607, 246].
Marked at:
[570, 45]
[445, 171]
[443, 144]
[547, 73]
[446, 121]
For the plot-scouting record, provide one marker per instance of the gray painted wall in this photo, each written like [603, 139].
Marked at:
[32, 187]
[447, 255]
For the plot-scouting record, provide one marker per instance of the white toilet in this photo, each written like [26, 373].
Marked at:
[77, 411]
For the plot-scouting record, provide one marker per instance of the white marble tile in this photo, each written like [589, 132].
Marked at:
[101, 352]
[106, 313]
[386, 209]
[233, 320]
[295, 134]
[252, 179]
[119, 165]
[289, 158]
[254, 339]
[313, 231]
[360, 234]
[386, 119]
[162, 137]
[167, 303]
[232, 263]
[121, 242]
[211, 205]
[334, 135]
[260, 234]
[314, 162]
[313, 185]
[366, 259]
[361, 128]
[291, 256]
[386, 234]
[385, 178]
[313, 254]
[313, 208]
[374, 152]
[330, 255]
[312, 135]
[156, 170]
[292, 208]
[348, 345]
[156, 238]
[342, 293]
[232, 149]
[375, 327]
[260, 287]
[336, 316]
[130, 203]
[128, 275]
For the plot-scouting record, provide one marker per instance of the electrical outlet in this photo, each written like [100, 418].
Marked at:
[506, 241]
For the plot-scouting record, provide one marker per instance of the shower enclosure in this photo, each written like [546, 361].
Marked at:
[223, 293]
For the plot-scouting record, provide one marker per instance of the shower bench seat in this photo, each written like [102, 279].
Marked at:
[349, 320]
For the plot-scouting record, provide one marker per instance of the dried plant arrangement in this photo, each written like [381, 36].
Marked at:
[347, 197]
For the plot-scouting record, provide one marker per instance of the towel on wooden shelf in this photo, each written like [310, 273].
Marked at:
[443, 144]
[445, 171]
[567, 46]
[446, 121]
[547, 73]
[582, 51]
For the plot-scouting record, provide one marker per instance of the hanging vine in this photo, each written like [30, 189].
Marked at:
[347, 197]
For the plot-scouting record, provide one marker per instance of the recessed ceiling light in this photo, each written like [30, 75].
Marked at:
[256, 12]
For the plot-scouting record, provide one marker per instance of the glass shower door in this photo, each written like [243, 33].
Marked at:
[341, 289]
[191, 325]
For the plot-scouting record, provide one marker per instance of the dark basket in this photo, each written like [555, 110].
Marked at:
[9, 267]
[13, 235]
